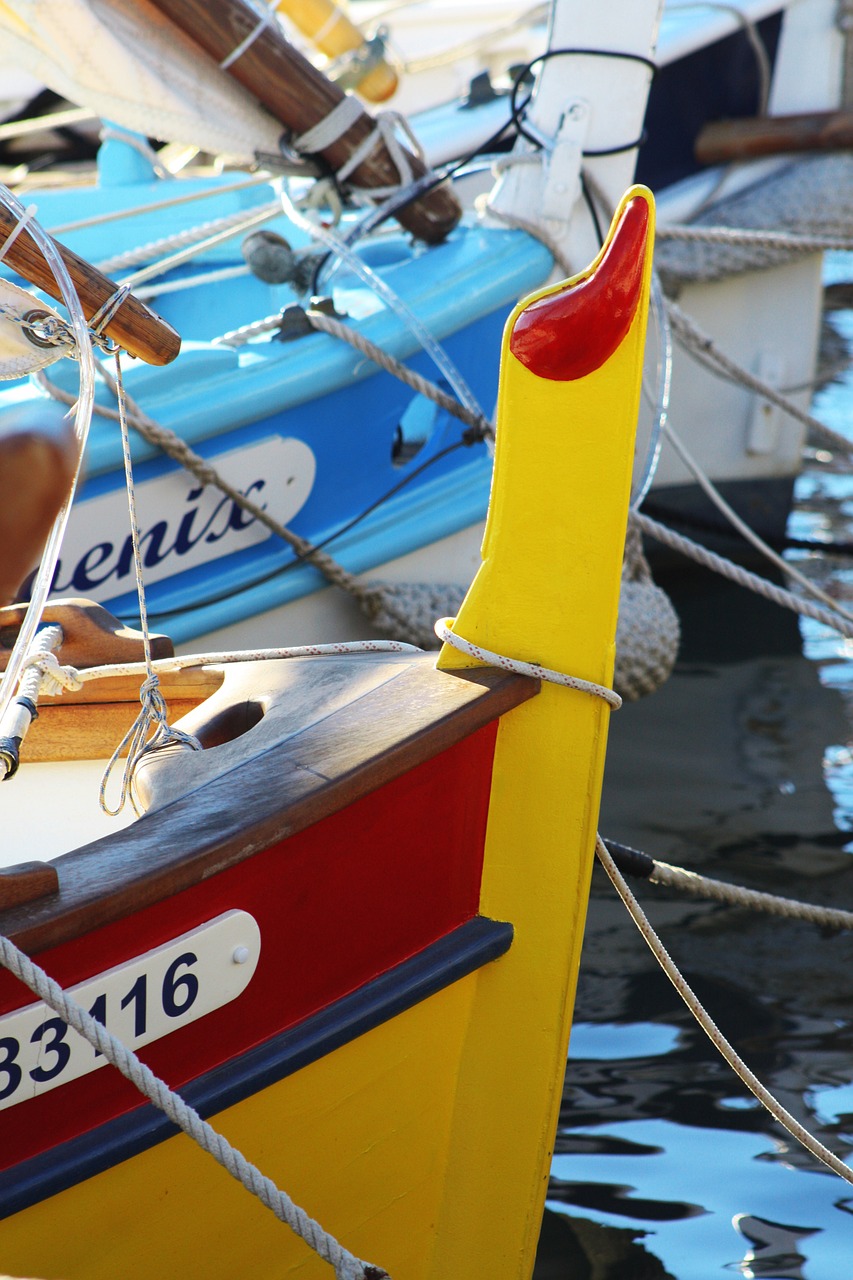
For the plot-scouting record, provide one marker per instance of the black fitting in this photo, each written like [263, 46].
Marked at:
[631, 862]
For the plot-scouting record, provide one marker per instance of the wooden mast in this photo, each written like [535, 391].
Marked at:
[134, 327]
[300, 96]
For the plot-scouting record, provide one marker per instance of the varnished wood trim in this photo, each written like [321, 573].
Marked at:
[26, 882]
[134, 327]
[285, 789]
[91, 635]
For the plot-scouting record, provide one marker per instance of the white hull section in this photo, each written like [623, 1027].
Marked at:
[332, 614]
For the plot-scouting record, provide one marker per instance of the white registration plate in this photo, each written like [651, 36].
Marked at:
[139, 1001]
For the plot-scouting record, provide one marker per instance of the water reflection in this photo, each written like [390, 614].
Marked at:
[774, 1252]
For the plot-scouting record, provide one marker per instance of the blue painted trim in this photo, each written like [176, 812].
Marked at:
[454, 956]
[438, 509]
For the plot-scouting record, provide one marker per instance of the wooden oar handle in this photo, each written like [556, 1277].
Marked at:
[139, 331]
[747, 139]
[300, 96]
[37, 466]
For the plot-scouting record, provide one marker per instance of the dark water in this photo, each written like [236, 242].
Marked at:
[740, 767]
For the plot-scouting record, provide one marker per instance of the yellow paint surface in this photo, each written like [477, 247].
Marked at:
[547, 592]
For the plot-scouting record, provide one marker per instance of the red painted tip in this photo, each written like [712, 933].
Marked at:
[570, 334]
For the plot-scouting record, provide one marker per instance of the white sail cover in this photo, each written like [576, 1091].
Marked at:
[129, 64]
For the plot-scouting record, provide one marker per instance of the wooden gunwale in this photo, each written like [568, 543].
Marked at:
[409, 719]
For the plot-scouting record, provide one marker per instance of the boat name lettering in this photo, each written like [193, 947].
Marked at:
[183, 524]
[139, 1001]
[103, 561]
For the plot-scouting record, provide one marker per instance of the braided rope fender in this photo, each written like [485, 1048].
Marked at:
[648, 635]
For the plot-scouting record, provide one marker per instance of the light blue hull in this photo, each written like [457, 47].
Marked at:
[345, 455]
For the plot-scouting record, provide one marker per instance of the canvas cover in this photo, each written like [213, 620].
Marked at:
[130, 64]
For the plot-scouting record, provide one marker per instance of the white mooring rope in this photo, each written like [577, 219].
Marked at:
[771, 1104]
[706, 1022]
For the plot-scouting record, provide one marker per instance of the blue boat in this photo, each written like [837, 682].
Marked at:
[348, 457]
[388, 483]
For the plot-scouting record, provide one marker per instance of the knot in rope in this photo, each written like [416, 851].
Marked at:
[520, 667]
[149, 732]
[54, 677]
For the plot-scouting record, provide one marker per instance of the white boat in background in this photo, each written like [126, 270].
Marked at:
[762, 308]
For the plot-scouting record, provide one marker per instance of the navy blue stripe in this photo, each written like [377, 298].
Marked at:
[467, 948]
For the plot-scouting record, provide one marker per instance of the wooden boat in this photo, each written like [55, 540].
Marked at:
[348, 929]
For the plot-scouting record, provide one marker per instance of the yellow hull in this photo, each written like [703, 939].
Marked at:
[371, 1165]
[423, 1145]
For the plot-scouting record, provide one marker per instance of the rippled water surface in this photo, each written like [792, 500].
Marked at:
[740, 767]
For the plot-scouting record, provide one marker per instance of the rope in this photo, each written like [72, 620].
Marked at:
[794, 242]
[532, 228]
[634, 863]
[333, 126]
[340, 119]
[648, 631]
[748, 1078]
[337, 329]
[231, 226]
[753, 35]
[192, 236]
[705, 349]
[154, 206]
[28, 216]
[151, 730]
[20, 713]
[180, 662]
[264, 20]
[746, 532]
[54, 679]
[743, 577]
[372, 599]
[346, 1265]
[517, 665]
[327, 324]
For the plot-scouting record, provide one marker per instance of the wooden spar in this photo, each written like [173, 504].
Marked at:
[726, 140]
[324, 22]
[300, 97]
[134, 327]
